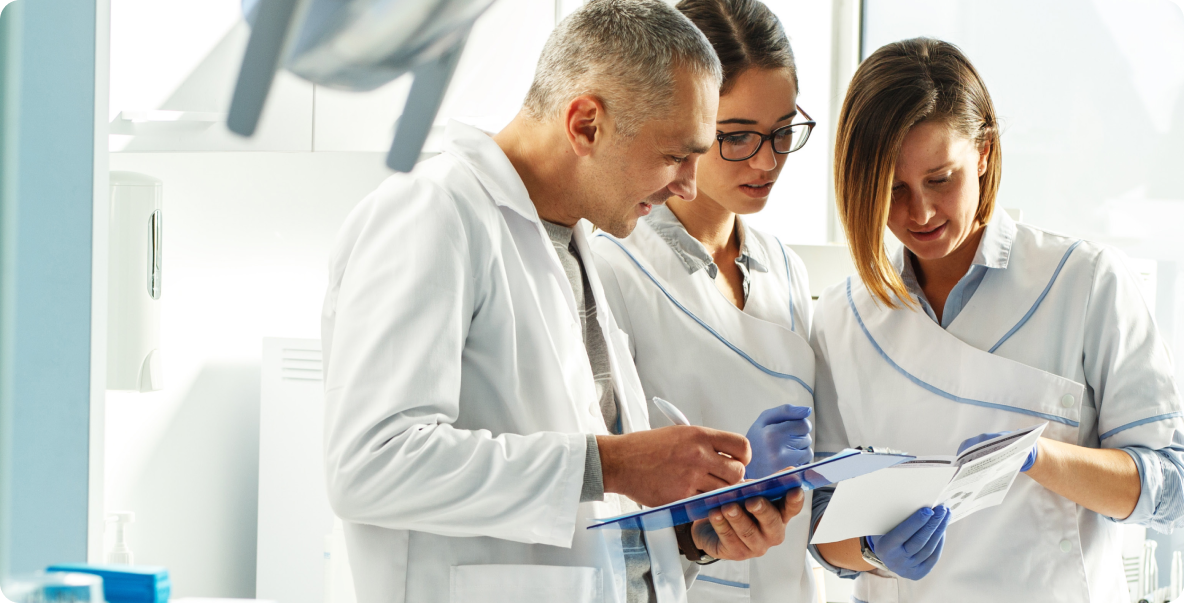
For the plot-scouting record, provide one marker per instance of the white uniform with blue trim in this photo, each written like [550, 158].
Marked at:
[721, 367]
[1060, 334]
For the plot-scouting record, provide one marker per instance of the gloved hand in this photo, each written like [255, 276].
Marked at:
[1028, 462]
[913, 547]
[780, 438]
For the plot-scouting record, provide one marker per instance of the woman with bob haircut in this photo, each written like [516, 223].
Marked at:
[717, 312]
[980, 325]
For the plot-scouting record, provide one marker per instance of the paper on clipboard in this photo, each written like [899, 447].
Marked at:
[976, 479]
[844, 465]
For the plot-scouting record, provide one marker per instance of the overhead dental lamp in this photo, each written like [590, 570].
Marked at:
[357, 45]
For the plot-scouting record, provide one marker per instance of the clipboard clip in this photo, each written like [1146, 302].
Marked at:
[881, 450]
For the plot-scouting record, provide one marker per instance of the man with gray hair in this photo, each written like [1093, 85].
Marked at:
[482, 407]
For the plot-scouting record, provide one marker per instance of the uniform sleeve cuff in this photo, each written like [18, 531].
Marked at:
[1148, 467]
[819, 501]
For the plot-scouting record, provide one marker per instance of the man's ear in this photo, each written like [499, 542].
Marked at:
[583, 122]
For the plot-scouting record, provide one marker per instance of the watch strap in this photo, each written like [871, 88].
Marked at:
[686, 545]
[869, 555]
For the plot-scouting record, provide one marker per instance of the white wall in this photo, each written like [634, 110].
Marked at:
[246, 242]
[796, 211]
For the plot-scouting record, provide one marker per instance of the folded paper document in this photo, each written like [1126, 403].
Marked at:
[979, 477]
[844, 465]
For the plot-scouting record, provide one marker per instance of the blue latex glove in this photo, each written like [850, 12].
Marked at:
[780, 438]
[1028, 462]
[913, 547]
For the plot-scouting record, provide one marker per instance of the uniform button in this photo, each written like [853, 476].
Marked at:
[1067, 400]
[1066, 546]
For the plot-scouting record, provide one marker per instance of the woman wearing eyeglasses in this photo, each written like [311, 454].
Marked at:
[717, 312]
[981, 324]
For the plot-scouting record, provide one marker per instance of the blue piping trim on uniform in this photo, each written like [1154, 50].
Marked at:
[1133, 424]
[789, 277]
[722, 581]
[1040, 299]
[743, 355]
[855, 599]
[822, 455]
[936, 390]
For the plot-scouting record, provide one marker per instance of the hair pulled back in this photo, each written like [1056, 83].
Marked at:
[745, 34]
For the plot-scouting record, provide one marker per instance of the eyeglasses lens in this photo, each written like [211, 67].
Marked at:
[742, 145]
[739, 146]
[790, 139]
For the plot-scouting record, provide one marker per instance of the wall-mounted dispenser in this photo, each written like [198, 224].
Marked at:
[133, 314]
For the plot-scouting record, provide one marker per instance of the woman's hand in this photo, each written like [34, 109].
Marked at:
[780, 438]
[968, 442]
[913, 547]
[735, 533]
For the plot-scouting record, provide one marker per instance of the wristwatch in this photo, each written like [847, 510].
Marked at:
[865, 547]
[686, 545]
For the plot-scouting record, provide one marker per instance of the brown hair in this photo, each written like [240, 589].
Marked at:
[897, 87]
[744, 34]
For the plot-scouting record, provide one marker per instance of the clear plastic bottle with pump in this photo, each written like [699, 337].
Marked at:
[119, 553]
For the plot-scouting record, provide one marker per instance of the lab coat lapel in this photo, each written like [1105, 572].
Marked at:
[771, 345]
[633, 409]
[501, 182]
[915, 346]
[489, 164]
[493, 169]
[1007, 295]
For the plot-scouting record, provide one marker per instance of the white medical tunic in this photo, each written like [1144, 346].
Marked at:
[721, 366]
[1054, 330]
[459, 396]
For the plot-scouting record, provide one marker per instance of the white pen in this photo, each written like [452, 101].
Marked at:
[671, 412]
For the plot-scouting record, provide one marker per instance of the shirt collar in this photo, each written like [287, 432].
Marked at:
[478, 150]
[560, 234]
[690, 251]
[994, 249]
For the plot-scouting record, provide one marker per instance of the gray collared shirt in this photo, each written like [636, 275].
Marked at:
[694, 255]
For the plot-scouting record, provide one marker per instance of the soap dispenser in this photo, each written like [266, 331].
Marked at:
[119, 553]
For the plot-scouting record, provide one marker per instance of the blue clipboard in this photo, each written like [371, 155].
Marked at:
[844, 465]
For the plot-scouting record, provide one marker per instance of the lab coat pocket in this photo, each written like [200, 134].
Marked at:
[525, 584]
[873, 587]
[722, 582]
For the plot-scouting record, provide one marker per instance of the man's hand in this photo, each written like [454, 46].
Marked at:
[731, 533]
[663, 465]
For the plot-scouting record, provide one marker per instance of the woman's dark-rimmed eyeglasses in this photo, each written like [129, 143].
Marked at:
[741, 146]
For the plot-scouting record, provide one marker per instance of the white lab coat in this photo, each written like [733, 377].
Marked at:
[459, 395]
[722, 367]
[895, 378]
